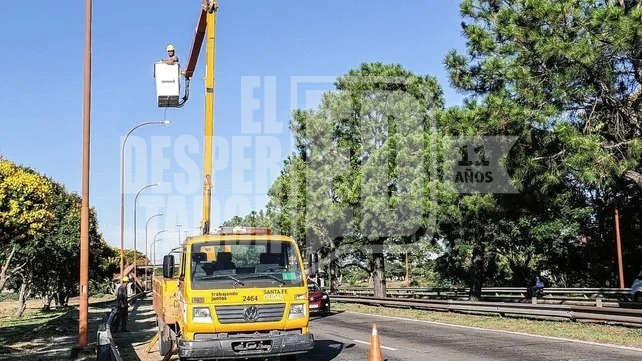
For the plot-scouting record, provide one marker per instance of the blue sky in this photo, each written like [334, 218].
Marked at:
[270, 42]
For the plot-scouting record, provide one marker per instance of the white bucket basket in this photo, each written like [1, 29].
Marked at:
[168, 85]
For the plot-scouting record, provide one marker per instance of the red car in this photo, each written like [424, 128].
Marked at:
[319, 299]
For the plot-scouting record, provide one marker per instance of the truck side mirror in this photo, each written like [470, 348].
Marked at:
[168, 266]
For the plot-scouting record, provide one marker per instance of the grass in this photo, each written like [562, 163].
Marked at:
[18, 332]
[616, 335]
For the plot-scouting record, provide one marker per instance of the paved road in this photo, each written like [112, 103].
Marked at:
[345, 336]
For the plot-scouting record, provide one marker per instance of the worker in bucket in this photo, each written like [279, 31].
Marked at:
[171, 55]
[122, 304]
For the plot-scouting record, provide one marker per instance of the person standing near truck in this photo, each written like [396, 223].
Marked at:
[122, 304]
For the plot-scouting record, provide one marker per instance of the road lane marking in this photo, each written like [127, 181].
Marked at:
[368, 343]
[629, 348]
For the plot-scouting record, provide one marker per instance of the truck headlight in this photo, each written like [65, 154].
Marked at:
[201, 314]
[325, 297]
[297, 310]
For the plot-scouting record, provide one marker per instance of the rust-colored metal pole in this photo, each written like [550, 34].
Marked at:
[84, 207]
[619, 247]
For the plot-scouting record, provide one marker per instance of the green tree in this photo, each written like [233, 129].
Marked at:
[53, 260]
[234, 221]
[25, 212]
[565, 77]
[286, 208]
[39, 232]
[367, 174]
[570, 67]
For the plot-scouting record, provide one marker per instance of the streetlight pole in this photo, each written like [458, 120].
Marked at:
[135, 246]
[122, 193]
[84, 207]
[154, 247]
[147, 253]
[179, 234]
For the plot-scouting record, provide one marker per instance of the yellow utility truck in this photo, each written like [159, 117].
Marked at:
[236, 293]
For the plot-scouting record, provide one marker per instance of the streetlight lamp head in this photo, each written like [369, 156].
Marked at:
[166, 122]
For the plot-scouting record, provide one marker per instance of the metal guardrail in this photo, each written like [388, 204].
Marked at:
[632, 316]
[107, 350]
[492, 292]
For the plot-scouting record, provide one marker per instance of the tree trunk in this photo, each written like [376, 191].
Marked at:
[634, 176]
[5, 268]
[46, 302]
[603, 275]
[25, 292]
[333, 276]
[378, 274]
[332, 268]
[62, 298]
[477, 266]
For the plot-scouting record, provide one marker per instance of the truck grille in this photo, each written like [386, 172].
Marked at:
[250, 313]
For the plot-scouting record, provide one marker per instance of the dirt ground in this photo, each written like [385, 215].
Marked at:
[48, 336]
[142, 326]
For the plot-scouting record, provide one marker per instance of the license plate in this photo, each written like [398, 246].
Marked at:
[314, 306]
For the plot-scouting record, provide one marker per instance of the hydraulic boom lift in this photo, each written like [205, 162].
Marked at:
[168, 91]
[238, 292]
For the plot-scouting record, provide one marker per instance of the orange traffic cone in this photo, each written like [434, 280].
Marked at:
[375, 346]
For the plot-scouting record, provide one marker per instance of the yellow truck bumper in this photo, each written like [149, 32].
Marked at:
[223, 346]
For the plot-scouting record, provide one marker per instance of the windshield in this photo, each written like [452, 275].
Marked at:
[245, 264]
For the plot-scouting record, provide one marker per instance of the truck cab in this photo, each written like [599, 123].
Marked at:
[238, 293]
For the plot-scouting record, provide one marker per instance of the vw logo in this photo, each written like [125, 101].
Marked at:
[251, 314]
